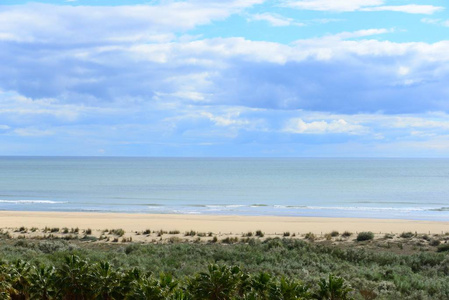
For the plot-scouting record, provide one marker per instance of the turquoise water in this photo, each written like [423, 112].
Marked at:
[368, 188]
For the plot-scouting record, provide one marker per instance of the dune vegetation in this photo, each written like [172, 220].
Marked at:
[250, 268]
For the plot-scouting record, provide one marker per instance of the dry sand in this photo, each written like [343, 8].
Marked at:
[215, 224]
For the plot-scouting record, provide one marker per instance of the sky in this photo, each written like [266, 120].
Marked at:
[239, 78]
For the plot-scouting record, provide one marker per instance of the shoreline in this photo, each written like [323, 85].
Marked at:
[215, 223]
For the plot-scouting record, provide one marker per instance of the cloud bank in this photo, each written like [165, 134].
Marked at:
[140, 80]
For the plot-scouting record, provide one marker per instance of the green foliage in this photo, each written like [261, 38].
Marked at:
[346, 234]
[434, 242]
[365, 236]
[310, 236]
[443, 248]
[270, 269]
[333, 288]
[220, 283]
[119, 232]
[190, 233]
[407, 235]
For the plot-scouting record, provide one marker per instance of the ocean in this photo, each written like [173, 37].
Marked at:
[364, 188]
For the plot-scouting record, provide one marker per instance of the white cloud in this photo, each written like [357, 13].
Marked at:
[361, 5]
[360, 33]
[403, 70]
[436, 21]
[410, 8]
[297, 125]
[430, 21]
[429, 122]
[275, 20]
[231, 119]
[32, 132]
[332, 5]
[328, 73]
[80, 24]
[17, 107]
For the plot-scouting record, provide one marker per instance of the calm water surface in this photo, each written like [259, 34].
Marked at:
[369, 188]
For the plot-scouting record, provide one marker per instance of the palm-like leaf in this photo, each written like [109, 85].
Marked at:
[219, 283]
[334, 288]
[261, 284]
[289, 289]
[6, 282]
[107, 282]
[42, 281]
[75, 279]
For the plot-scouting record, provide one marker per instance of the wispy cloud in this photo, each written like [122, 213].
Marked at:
[133, 23]
[330, 5]
[410, 8]
[297, 125]
[275, 20]
[361, 5]
[440, 22]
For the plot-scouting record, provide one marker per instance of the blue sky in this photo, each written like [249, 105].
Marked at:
[303, 78]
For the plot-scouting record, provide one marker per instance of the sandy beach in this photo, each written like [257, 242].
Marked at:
[214, 223]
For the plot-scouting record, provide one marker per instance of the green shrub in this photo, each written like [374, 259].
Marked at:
[230, 240]
[365, 236]
[310, 236]
[334, 233]
[190, 233]
[259, 233]
[434, 242]
[443, 248]
[388, 236]
[120, 232]
[406, 235]
[90, 238]
[346, 234]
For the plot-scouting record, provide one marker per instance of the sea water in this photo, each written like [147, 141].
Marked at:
[366, 188]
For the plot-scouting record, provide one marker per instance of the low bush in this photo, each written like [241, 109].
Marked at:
[120, 232]
[434, 242]
[365, 236]
[443, 248]
[407, 235]
[310, 236]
